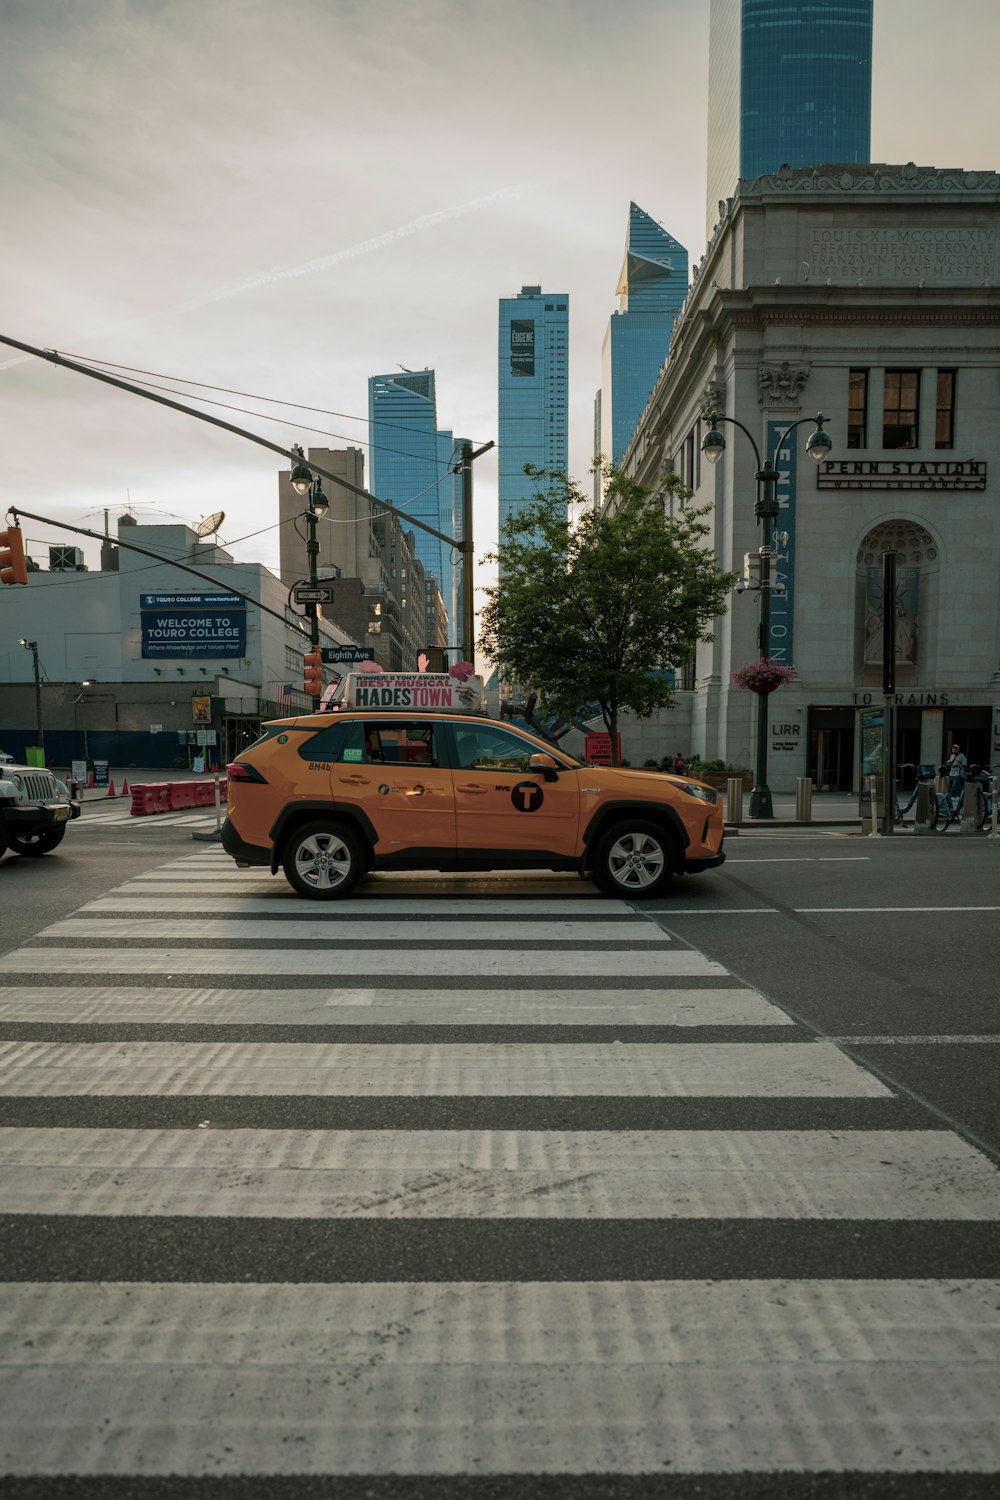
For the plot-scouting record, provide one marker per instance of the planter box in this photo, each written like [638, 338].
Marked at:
[718, 779]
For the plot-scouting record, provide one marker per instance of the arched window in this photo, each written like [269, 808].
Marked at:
[915, 603]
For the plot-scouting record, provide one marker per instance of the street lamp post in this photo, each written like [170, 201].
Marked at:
[766, 509]
[32, 646]
[304, 482]
[82, 698]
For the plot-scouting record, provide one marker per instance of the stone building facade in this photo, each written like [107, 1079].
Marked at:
[871, 295]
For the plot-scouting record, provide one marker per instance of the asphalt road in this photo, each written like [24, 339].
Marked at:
[488, 1188]
[891, 946]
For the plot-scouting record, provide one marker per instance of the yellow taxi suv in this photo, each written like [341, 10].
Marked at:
[405, 776]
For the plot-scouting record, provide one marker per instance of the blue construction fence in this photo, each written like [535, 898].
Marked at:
[123, 748]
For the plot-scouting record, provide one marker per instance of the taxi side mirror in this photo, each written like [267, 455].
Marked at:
[545, 764]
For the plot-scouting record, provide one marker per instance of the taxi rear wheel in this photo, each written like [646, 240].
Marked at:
[323, 861]
[634, 858]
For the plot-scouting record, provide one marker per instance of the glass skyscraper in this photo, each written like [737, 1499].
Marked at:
[652, 285]
[787, 83]
[533, 392]
[409, 465]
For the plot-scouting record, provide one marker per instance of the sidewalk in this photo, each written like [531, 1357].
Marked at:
[829, 809]
[838, 810]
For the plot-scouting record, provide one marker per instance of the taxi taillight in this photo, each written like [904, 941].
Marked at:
[237, 771]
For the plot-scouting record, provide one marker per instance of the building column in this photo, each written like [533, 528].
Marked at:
[928, 408]
[876, 407]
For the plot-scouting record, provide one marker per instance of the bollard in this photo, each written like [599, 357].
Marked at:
[873, 829]
[922, 813]
[734, 799]
[218, 803]
[992, 834]
[970, 808]
[803, 799]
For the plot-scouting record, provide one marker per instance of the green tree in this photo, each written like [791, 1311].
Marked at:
[583, 613]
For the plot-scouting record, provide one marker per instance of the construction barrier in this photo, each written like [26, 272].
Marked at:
[173, 796]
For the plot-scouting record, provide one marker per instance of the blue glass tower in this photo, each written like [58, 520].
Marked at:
[787, 82]
[410, 465]
[533, 392]
[652, 286]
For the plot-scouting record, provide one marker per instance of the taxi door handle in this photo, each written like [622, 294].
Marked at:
[355, 780]
[475, 790]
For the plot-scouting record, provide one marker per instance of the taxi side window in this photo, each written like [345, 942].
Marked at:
[326, 745]
[397, 744]
[353, 748]
[485, 748]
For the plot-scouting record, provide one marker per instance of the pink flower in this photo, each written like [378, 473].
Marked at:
[762, 676]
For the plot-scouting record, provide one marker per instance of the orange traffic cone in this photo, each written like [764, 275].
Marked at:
[111, 787]
[125, 790]
[90, 779]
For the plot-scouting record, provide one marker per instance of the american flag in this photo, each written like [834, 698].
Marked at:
[283, 694]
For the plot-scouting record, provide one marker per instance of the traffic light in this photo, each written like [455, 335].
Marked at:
[312, 667]
[13, 568]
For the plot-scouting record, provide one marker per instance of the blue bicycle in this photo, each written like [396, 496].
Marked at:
[946, 807]
[924, 776]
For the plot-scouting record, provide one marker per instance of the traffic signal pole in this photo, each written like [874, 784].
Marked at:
[312, 608]
[468, 550]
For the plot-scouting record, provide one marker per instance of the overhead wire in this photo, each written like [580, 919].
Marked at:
[182, 380]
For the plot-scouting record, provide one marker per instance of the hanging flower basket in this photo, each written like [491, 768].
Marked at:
[762, 676]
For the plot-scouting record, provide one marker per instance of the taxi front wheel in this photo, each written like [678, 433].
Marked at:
[634, 858]
[323, 861]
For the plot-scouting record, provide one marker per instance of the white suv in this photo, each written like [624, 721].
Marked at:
[34, 808]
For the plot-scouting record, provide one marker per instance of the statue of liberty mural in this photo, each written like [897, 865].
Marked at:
[906, 607]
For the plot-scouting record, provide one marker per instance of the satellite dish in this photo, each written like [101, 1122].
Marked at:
[210, 524]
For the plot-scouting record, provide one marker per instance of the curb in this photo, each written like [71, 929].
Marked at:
[847, 826]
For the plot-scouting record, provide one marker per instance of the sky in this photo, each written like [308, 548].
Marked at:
[286, 198]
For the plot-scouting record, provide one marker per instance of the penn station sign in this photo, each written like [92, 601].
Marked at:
[902, 474]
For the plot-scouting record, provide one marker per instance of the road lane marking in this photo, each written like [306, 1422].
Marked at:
[293, 926]
[389, 1006]
[865, 910]
[551, 1070]
[380, 959]
[731, 1378]
[489, 1174]
[915, 1039]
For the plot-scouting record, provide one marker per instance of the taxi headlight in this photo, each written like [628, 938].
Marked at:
[703, 793]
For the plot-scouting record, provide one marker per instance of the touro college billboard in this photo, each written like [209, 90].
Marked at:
[193, 627]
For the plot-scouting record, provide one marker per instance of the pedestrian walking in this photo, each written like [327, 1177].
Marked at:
[954, 767]
[678, 765]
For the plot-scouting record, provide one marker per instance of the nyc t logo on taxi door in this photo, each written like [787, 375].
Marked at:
[527, 796]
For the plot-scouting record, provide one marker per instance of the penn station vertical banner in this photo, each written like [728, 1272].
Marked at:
[780, 641]
[192, 627]
[522, 346]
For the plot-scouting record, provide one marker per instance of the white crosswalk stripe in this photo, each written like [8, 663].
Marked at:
[494, 1190]
[115, 815]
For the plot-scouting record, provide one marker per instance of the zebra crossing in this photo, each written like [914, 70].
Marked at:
[431, 1195]
[98, 816]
